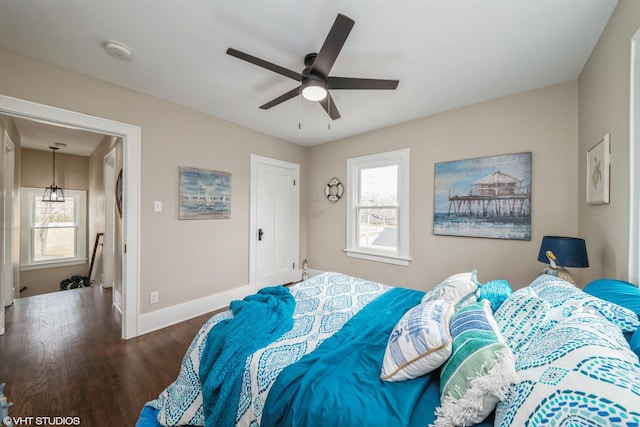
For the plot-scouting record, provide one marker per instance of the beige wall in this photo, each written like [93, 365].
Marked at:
[542, 121]
[604, 108]
[72, 172]
[183, 260]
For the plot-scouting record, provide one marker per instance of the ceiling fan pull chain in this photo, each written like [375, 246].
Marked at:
[299, 113]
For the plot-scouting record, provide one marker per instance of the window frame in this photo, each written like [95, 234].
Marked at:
[27, 206]
[399, 256]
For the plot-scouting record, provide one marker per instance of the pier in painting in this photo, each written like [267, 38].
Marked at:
[496, 195]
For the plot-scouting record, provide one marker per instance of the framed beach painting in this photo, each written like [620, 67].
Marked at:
[204, 194]
[484, 197]
[598, 172]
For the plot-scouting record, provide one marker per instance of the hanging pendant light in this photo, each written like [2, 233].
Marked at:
[53, 193]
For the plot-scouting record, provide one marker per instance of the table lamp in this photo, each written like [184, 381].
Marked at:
[560, 252]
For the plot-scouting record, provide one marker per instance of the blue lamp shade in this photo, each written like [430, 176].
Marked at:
[569, 251]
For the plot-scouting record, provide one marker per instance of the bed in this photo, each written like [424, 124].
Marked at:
[339, 350]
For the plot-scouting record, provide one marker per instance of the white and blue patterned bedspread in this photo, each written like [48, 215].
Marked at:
[323, 304]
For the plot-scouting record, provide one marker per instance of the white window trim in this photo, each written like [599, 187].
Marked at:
[400, 158]
[26, 245]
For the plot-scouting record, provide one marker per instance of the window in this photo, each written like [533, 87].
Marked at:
[378, 207]
[52, 234]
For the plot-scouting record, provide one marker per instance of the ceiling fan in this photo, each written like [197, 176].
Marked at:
[315, 81]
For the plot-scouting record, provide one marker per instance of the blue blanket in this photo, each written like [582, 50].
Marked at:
[258, 320]
[339, 383]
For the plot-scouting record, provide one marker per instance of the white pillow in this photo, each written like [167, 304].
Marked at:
[523, 317]
[566, 298]
[419, 343]
[461, 289]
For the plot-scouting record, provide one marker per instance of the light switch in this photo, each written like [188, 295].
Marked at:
[157, 206]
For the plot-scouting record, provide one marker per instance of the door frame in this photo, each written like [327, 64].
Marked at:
[7, 160]
[8, 171]
[253, 215]
[634, 161]
[132, 142]
[108, 241]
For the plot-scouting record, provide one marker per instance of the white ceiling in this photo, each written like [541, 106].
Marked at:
[40, 136]
[446, 53]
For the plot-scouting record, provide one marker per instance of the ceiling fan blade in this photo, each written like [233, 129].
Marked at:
[265, 64]
[333, 44]
[284, 97]
[356, 83]
[330, 107]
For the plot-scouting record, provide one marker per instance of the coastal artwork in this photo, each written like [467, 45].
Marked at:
[204, 194]
[484, 197]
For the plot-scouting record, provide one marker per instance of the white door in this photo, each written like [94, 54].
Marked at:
[108, 247]
[274, 230]
[6, 222]
[112, 261]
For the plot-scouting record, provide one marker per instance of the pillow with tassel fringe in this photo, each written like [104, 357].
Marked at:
[480, 370]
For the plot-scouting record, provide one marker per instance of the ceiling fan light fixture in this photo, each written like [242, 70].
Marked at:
[314, 89]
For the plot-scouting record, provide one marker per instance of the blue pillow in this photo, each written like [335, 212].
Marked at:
[616, 291]
[496, 291]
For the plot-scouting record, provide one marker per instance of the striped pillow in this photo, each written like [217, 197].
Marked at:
[480, 370]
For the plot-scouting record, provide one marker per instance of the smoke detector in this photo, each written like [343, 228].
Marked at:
[118, 50]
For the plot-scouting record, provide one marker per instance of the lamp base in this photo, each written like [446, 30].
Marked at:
[560, 273]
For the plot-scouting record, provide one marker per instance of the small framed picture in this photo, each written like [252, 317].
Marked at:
[204, 194]
[598, 164]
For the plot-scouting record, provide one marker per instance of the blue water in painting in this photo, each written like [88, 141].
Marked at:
[197, 207]
[516, 228]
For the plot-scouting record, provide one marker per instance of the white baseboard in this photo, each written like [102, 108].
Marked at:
[162, 318]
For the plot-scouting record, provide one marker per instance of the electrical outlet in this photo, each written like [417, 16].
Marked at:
[153, 298]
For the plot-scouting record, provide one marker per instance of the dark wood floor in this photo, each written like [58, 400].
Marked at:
[62, 355]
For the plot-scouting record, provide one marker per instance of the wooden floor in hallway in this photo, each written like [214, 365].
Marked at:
[62, 355]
